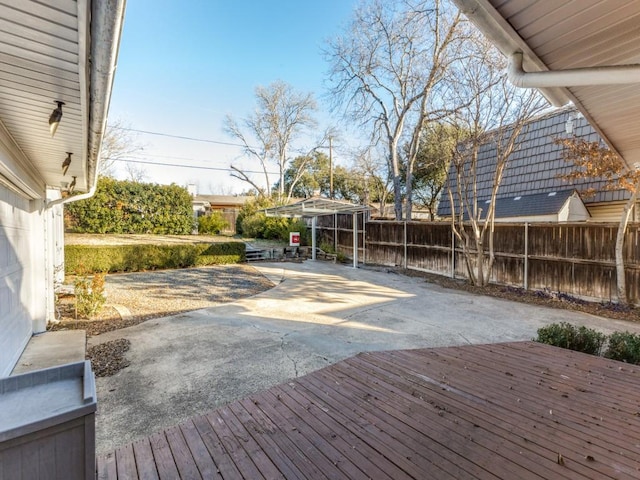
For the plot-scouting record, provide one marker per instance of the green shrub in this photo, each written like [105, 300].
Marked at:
[89, 295]
[327, 248]
[565, 335]
[120, 206]
[212, 224]
[253, 223]
[625, 347]
[82, 259]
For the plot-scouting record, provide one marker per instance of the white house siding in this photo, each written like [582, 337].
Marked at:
[23, 288]
[610, 212]
[573, 211]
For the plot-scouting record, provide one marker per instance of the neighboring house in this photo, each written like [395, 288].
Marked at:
[54, 51]
[585, 56]
[557, 206]
[211, 203]
[228, 205]
[533, 175]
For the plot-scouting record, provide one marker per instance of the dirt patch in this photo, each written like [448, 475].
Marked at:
[533, 297]
[108, 358]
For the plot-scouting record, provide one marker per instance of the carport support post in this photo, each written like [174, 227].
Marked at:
[314, 222]
[355, 240]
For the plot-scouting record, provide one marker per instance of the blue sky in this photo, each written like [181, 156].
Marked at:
[184, 65]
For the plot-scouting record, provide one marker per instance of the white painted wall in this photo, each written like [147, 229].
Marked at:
[31, 243]
[573, 211]
[18, 251]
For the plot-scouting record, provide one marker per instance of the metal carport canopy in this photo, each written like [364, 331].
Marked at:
[316, 207]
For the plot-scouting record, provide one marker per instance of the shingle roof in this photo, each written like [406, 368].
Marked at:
[528, 205]
[538, 163]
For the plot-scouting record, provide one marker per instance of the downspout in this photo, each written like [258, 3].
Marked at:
[575, 77]
[107, 19]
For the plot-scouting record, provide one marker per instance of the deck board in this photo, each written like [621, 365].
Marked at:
[199, 452]
[144, 460]
[515, 410]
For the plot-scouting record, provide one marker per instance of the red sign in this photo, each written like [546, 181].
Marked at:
[294, 239]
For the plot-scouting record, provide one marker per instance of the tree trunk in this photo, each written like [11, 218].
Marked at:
[621, 283]
[397, 197]
[479, 263]
[409, 193]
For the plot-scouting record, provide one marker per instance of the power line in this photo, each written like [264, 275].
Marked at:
[193, 139]
[148, 162]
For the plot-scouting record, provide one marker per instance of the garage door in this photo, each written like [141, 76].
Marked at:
[16, 229]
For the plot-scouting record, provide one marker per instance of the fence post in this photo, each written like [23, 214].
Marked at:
[314, 226]
[405, 244]
[355, 240]
[364, 238]
[526, 255]
[335, 232]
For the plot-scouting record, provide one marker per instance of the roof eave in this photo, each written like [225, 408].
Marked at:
[106, 30]
[489, 21]
[484, 16]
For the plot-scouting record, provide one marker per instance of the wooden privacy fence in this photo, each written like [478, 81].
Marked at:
[335, 232]
[573, 258]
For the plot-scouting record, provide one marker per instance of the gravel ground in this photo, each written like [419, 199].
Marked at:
[133, 298]
[109, 357]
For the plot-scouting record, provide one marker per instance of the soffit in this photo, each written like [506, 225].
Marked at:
[564, 34]
[43, 58]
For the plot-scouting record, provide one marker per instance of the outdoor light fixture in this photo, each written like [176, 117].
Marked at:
[54, 118]
[66, 163]
[72, 185]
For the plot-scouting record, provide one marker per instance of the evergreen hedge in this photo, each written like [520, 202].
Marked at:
[131, 207]
[85, 259]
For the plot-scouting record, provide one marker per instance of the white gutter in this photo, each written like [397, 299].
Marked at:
[575, 77]
[500, 32]
[107, 18]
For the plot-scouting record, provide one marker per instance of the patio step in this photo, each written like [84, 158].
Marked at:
[51, 349]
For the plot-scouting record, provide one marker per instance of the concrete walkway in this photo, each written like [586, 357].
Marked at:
[318, 313]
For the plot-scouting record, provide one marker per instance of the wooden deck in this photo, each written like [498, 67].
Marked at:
[511, 411]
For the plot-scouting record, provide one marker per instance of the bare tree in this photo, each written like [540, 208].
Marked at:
[261, 153]
[595, 161]
[281, 116]
[387, 70]
[136, 173]
[118, 143]
[497, 115]
[370, 167]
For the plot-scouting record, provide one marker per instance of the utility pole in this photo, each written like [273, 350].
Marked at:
[331, 168]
